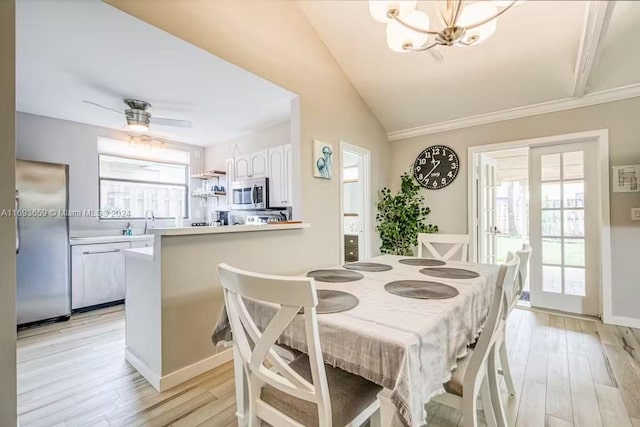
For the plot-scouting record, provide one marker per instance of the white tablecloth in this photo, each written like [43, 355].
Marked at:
[407, 345]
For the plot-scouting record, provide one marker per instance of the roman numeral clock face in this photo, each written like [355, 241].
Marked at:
[436, 167]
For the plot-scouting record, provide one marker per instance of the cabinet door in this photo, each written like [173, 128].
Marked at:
[259, 165]
[276, 177]
[229, 179]
[288, 175]
[242, 167]
[102, 273]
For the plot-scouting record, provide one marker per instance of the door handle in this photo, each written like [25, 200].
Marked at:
[17, 225]
[253, 191]
[100, 252]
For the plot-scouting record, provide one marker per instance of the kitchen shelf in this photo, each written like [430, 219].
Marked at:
[209, 174]
[210, 194]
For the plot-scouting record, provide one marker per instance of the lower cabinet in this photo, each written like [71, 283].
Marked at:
[350, 248]
[97, 274]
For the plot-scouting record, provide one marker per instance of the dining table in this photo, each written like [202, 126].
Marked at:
[408, 345]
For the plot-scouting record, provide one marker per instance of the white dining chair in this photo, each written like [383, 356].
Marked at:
[306, 392]
[521, 277]
[476, 373]
[456, 244]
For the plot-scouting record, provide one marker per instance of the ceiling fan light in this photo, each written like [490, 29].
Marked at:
[473, 13]
[137, 120]
[137, 127]
[380, 8]
[399, 36]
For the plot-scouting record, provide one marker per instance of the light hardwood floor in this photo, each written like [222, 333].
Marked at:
[568, 372]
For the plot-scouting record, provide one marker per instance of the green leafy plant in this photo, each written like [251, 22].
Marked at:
[401, 217]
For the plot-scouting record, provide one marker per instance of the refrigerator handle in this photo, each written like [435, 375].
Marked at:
[17, 227]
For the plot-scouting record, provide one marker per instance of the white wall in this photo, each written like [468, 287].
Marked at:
[276, 41]
[216, 155]
[60, 141]
[449, 205]
[7, 224]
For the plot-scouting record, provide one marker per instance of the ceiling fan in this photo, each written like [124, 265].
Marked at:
[138, 118]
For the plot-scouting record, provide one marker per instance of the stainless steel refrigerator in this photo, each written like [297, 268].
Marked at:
[42, 244]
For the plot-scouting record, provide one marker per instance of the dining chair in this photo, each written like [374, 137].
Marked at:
[306, 392]
[521, 277]
[476, 373]
[457, 243]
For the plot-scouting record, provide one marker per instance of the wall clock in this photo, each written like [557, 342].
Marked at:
[436, 167]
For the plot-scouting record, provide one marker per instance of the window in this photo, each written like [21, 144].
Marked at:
[140, 185]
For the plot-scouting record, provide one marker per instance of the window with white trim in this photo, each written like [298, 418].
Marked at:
[137, 185]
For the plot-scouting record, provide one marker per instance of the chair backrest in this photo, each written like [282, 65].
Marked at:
[289, 294]
[494, 326]
[455, 242]
[523, 268]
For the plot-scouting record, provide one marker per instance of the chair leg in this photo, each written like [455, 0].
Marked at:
[470, 409]
[506, 369]
[494, 390]
[487, 405]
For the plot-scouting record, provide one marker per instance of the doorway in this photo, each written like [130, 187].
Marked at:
[355, 195]
[550, 193]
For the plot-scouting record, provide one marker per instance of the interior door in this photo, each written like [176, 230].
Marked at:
[487, 214]
[564, 230]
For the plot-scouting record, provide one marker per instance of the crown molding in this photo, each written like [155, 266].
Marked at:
[602, 97]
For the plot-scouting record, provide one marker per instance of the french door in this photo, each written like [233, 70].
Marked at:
[564, 208]
[487, 215]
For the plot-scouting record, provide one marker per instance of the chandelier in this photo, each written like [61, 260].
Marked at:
[463, 23]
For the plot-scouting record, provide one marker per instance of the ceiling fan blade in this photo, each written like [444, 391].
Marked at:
[170, 122]
[106, 108]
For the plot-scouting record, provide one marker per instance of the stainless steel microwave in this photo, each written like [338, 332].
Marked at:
[250, 194]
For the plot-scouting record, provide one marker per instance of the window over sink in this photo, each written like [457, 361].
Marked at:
[136, 186]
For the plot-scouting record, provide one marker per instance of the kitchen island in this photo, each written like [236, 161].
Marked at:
[174, 297]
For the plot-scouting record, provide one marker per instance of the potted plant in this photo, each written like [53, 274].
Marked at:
[401, 217]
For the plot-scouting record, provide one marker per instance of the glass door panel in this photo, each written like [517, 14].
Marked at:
[562, 235]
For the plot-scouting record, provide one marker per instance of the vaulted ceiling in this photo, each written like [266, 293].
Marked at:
[530, 60]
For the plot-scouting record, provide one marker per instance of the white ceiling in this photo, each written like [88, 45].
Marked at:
[69, 51]
[529, 60]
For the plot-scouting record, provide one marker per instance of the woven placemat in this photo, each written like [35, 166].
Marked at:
[368, 266]
[421, 289]
[449, 273]
[335, 276]
[422, 262]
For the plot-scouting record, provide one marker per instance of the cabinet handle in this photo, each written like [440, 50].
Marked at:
[100, 252]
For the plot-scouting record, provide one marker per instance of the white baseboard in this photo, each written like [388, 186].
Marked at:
[629, 322]
[152, 377]
[162, 383]
[200, 367]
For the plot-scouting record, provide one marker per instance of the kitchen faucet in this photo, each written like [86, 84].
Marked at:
[146, 218]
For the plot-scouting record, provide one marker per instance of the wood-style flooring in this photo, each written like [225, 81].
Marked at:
[568, 372]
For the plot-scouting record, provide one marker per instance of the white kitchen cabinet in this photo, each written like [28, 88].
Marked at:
[251, 165]
[142, 243]
[242, 167]
[277, 177]
[280, 176]
[288, 174]
[231, 176]
[259, 164]
[97, 274]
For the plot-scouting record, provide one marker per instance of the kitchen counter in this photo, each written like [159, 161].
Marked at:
[188, 231]
[108, 239]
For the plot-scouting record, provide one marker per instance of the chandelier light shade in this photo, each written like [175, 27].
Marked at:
[399, 36]
[476, 12]
[463, 23]
[379, 9]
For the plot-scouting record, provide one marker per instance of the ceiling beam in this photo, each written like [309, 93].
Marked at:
[597, 20]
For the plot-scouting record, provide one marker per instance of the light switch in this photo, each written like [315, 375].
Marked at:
[635, 214]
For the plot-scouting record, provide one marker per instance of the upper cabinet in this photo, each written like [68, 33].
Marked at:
[280, 176]
[259, 164]
[251, 165]
[275, 164]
